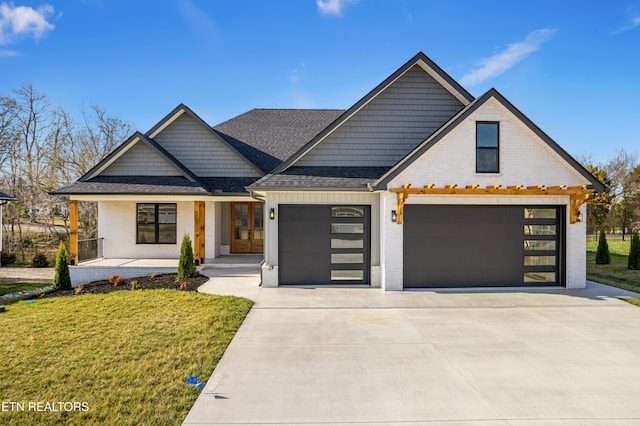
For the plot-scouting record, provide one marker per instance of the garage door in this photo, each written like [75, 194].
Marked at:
[323, 244]
[482, 246]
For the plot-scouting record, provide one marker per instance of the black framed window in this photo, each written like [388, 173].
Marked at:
[156, 223]
[487, 147]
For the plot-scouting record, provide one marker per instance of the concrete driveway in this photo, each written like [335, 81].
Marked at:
[360, 356]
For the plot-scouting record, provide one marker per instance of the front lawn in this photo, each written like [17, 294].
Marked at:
[6, 288]
[616, 273]
[632, 300]
[125, 356]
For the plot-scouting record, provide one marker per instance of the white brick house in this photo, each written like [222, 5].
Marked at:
[419, 184]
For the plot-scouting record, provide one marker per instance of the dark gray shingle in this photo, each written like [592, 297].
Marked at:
[321, 178]
[269, 136]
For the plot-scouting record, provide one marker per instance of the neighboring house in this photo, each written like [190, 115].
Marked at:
[419, 184]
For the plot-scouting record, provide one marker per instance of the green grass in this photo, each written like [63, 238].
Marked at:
[616, 273]
[6, 288]
[632, 300]
[126, 354]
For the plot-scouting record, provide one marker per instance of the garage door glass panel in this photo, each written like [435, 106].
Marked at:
[540, 213]
[347, 211]
[539, 229]
[341, 243]
[347, 228]
[540, 277]
[347, 258]
[347, 275]
[539, 245]
[539, 260]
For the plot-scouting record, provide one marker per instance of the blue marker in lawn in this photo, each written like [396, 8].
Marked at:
[192, 380]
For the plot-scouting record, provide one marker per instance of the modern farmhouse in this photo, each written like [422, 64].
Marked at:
[418, 184]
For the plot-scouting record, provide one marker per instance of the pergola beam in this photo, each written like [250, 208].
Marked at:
[578, 194]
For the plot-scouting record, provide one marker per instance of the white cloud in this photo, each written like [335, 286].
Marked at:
[635, 22]
[23, 21]
[198, 20]
[332, 7]
[4, 53]
[497, 64]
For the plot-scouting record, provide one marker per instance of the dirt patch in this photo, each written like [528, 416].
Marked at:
[169, 281]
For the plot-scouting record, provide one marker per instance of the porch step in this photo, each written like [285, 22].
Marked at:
[234, 261]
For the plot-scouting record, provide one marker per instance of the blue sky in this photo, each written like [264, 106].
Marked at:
[573, 67]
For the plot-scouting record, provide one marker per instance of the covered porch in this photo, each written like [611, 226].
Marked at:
[142, 234]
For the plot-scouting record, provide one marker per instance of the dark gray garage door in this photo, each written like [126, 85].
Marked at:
[482, 246]
[323, 244]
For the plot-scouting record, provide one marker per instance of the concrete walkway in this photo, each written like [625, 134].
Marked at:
[361, 356]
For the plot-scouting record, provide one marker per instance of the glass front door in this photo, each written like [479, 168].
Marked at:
[247, 227]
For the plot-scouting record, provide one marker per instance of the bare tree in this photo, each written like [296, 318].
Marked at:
[618, 169]
[44, 148]
[75, 148]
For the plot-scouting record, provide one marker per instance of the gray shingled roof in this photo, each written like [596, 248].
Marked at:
[269, 136]
[321, 178]
[166, 185]
[5, 197]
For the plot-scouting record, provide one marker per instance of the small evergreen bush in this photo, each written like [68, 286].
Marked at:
[602, 255]
[62, 277]
[634, 252]
[39, 260]
[186, 265]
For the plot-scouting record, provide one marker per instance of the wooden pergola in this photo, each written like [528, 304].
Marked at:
[578, 195]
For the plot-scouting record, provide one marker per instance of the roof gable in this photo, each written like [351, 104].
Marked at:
[127, 155]
[438, 81]
[141, 159]
[199, 147]
[459, 119]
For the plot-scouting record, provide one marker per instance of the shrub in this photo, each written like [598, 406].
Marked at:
[155, 275]
[186, 265]
[133, 284]
[116, 280]
[39, 260]
[62, 277]
[78, 290]
[634, 252]
[602, 255]
[7, 258]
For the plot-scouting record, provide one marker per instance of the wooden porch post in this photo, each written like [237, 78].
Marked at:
[73, 232]
[198, 231]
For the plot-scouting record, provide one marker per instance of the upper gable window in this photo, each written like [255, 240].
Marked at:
[487, 147]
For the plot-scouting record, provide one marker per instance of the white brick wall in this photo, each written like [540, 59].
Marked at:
[524, 158]
[117, 225]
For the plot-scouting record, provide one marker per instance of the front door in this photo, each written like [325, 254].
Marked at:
[247, 227]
